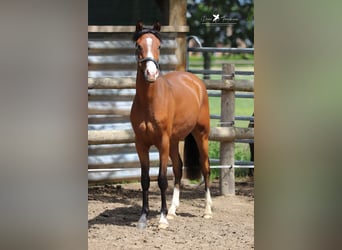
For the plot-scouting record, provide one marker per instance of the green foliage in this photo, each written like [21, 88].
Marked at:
[242, 153]
[239, 28]
[241, 11]
[224, 57]
[214, 153]
[232, 57]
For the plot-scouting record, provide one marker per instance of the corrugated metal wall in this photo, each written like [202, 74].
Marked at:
[113, 55]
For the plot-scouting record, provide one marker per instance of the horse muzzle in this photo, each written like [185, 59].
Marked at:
[151, 71]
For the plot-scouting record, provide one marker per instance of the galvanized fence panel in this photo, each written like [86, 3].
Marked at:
[236, 74]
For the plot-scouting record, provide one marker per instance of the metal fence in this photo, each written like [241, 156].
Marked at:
[209, 72]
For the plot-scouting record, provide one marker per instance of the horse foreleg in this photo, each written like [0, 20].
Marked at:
[162, 183]
[177, 172]
[145, 184]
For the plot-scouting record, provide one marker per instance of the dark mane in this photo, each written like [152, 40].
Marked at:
[138, 34]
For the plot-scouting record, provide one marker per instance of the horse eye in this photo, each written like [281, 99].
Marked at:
[139, 47]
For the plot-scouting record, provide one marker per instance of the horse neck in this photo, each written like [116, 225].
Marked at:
[144, 90]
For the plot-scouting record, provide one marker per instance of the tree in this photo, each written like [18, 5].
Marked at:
[235, 23]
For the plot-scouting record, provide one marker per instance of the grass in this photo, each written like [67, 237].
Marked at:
[243, 107]
[214, 58]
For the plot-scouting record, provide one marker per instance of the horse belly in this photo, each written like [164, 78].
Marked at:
[182, 128]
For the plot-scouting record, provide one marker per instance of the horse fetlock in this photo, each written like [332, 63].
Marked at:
[145, 211]
[172, 212]
[208, 213]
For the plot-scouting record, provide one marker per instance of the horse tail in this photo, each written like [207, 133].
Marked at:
[191, 158]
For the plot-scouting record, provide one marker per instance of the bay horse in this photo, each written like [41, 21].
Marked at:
[166, 109]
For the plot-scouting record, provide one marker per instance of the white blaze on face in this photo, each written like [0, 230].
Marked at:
[151, 72]
[149, 42]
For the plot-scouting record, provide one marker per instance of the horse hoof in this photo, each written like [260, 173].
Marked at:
[141, 225]
[171, 216]
[163, 225]
[208, 216]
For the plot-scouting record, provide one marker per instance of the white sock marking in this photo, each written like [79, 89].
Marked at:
[175, 201]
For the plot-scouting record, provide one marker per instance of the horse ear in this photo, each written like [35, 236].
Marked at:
[139, 26]
[156, 26]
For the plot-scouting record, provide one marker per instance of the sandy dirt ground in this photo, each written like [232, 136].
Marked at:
[114, 209]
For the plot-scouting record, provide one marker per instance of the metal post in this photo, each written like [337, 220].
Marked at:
[227, 178]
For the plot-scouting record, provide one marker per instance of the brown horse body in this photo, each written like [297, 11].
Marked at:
[165, 110]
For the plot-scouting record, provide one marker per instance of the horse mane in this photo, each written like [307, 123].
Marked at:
[138, 34]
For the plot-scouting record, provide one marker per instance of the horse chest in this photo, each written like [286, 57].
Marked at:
[151, 127]
[146, 127]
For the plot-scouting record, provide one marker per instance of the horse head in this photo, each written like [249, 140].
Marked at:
[147, 43]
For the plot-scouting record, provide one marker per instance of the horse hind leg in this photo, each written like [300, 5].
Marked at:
[208, 202]
[206, 173]
[177, 165]
[203, 148]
